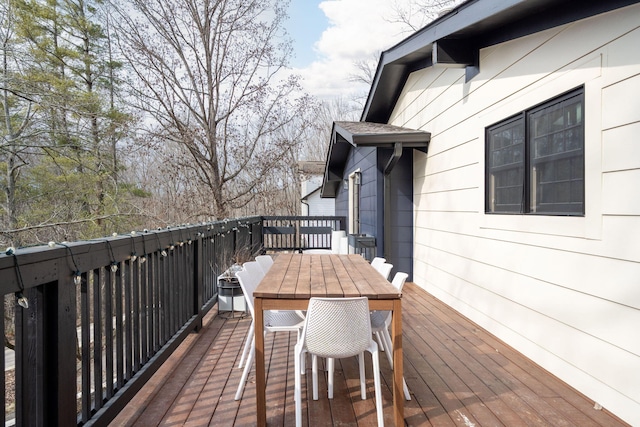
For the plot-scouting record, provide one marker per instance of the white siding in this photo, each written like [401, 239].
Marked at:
[312, 203]
[565, 291]
[317, 206]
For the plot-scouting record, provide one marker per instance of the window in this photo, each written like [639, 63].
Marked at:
[535, 160]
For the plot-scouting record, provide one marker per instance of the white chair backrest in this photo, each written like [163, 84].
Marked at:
[399, 279]
[265, 262]
[336, 241]
[382, 318]
[344, 246]
[385, 269]
[377, 262]
[248, 283]
[337, 327]
[254, 268]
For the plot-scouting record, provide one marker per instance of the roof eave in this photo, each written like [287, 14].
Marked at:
[470, 26]
[346, 135]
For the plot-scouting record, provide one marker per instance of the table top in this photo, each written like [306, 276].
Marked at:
[301, 276]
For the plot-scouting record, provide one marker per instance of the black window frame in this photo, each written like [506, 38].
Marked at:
[506, 157]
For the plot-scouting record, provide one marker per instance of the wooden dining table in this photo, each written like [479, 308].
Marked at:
[295, 278]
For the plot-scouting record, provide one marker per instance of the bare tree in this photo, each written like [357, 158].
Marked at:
[418, 13]
[16, 114]
[209, 81]
[411, 16]
[365, 70]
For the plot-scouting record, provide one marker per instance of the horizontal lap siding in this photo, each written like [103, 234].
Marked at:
[563, 290]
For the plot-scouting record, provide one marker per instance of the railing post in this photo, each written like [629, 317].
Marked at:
[3, 372]
[61, 370]
[45, 374]
[29, 358]
[198, 281]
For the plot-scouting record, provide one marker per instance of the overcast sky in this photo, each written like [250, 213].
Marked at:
[331, 35]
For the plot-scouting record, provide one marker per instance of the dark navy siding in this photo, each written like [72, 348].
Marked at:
[363, 158]
[400, 249]
[371, 162]
[369, 215]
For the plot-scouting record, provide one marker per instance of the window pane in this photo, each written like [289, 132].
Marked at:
[505, 177]
[557, 162]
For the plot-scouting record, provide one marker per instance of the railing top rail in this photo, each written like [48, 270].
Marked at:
[41, 264]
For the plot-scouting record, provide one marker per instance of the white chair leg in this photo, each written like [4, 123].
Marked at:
[380, 340]
[330, 369]
[297, 393]
[314, 371]
[245, 373]
[407, 396]
[247, 344]
[387, 340]
[378, 387]
[303, 354]
[363, 385]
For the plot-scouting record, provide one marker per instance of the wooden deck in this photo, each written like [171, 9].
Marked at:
[458, 375]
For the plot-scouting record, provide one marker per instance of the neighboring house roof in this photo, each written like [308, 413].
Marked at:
[306, 196]
[455, 39]
[346, 135]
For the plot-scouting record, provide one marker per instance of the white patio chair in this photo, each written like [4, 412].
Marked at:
[380, 321]
[274, 321]
[343, 246]
[336, 328]
[256, 272]
[376, 262]
[385, 269]
[265, 261]
[255, 269]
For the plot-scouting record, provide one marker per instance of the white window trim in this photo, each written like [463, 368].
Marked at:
[354, 223]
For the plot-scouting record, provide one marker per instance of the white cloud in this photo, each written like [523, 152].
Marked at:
[358, 30]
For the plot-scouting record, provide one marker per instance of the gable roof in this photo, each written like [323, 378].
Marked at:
[310, 193]
[346, 135]
[455, 39]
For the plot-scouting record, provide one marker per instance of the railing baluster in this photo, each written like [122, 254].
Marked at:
[169, 289]
[164, 299]
[135, 314]
[85, 346]
[117, 278]
[144, 311]
[108, 330]
[128, 331]
[179, 285]
[97, 340]
[155, 277]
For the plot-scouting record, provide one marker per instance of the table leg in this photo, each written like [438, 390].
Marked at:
[398, 393]
[261, 401]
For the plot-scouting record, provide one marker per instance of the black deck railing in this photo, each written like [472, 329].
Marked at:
[298, 233]
[95, 319]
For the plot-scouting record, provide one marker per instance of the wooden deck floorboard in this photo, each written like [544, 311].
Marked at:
[458, 375]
